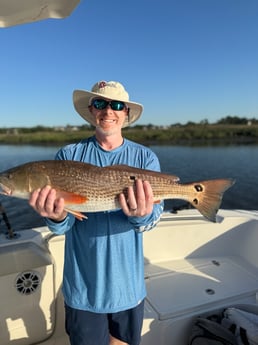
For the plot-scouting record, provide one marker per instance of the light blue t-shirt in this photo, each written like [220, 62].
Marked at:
[104, 262]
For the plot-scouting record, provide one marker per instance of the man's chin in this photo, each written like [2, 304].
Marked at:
[106, 131]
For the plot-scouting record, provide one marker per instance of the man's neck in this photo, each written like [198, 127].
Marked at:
[109, 142]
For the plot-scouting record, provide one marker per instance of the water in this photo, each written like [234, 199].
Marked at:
[189, 163]
[198, 163]
[20, 214]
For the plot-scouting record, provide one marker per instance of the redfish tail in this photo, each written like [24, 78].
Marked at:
[208, 195]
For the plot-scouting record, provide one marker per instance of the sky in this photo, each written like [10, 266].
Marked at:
[184, 60]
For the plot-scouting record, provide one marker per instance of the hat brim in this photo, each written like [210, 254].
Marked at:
[81, 100]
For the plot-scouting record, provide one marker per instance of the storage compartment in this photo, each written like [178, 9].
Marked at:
[181, 287]
[27, 287]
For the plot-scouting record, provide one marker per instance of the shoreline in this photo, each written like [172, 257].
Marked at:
[174, 135]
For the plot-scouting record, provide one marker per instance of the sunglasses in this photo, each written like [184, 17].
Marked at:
[101, 104]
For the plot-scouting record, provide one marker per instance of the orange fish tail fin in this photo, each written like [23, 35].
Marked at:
[208, 195]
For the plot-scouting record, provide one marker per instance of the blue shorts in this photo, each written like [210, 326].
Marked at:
[87, 328]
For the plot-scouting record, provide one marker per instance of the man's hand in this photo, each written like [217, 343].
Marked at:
[45, 202]
[138, 203]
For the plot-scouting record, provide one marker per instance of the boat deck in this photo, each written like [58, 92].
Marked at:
[180, 287]
[192, 267]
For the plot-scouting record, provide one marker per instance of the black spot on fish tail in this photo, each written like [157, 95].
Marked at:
[210, 195]
[133, 178]
[198, 187]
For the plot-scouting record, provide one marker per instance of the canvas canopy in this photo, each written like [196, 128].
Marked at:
[14, 12]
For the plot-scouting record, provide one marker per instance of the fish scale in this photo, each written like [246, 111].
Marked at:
[88, 188]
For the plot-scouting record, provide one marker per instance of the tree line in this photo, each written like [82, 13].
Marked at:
[229, 130]
[228, 120]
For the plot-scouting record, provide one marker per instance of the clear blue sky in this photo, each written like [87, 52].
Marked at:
[184, 60]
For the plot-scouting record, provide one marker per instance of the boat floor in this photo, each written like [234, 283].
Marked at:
[180, 287]
[192, 268]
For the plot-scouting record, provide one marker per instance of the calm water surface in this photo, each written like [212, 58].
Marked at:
[189, 163]
[198, 163]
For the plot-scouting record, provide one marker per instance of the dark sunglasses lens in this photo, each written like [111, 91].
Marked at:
[117, 105]
[100, 103]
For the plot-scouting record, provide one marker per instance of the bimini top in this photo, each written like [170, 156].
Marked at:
[14, 12]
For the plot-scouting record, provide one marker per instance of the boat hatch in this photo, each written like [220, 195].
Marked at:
[183, 286]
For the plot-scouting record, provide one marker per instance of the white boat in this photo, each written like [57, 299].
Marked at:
[192, 267]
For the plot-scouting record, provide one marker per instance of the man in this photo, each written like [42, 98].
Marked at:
[103, 282]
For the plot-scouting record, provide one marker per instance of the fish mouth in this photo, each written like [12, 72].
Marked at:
[5, 190]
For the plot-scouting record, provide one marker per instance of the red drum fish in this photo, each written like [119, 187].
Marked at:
[88, 188]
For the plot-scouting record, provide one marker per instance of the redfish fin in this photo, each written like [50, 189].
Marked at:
[71, 198]
[76, 214]
[208, 196]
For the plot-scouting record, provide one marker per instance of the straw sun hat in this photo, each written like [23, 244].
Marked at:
[110, 90]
